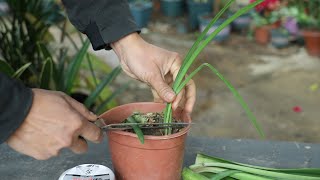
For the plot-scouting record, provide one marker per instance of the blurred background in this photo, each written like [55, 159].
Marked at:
[270, 54]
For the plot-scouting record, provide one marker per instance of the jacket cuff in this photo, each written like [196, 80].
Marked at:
[101, 38]
[16, 101]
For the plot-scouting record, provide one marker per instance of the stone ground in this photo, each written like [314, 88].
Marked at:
[271, 81]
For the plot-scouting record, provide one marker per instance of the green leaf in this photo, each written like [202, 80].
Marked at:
[188, 174]
[74, 67]
[46, 74]
[44, 50]
[136, 129]
[198, 46]
[106, 81]
[224, 174]
[6, 68]
[18, 73]
[202, 158]
[236, 94]
[206, 163]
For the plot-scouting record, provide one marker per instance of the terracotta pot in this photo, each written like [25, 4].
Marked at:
[312, 42]
[159, 158]
[262, 35]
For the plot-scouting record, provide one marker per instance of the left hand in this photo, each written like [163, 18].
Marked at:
[155, 66]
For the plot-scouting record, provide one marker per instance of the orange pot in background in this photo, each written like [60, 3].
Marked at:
[312, 42]
[159, 158]
[262, 34]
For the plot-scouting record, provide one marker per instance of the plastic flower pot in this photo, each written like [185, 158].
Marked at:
[204, 20]
[172, 8]
[141, 12]
[159, 158]
[242, 22]
[195, 9]
[312, 41]
[262, 34]
[279, 38]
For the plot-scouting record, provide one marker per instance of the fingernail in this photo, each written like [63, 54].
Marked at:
[170, 96]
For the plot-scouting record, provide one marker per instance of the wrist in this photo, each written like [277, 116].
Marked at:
[126, 42]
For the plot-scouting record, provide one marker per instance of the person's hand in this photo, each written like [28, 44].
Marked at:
[155, 66]
[55, 121]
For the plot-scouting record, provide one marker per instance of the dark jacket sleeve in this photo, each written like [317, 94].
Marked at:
[15, 103]
[103, 21]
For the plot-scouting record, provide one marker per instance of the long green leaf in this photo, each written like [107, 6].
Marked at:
[6, 68]
[261, 172]
[19, 72]
[189, 61]
[107, 80]
[136, 129]
[201, 158]
[244, 105]
[202, 35]
[74, 67]
[46, 74]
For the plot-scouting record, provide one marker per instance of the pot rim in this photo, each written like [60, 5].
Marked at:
[150, 137]
[308, 32]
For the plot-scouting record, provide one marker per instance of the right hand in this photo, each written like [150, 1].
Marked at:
[55, 121]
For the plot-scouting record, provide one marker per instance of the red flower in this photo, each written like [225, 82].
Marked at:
[266, 4]
[297, 109]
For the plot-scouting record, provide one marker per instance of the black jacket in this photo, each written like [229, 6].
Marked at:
[103, 21]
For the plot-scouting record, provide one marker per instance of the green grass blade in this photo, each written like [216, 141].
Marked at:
[136, 129]
[20, 71]
[235, 93]
[46, 74]
[107, 80]
[6, 68]
[260, 172]
[74, 67]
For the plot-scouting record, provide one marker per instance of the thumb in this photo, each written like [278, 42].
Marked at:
[81, 108]
[162, 88]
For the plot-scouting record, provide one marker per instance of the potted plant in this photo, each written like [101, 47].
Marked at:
[308, 16]
[280, 37]
[264, 18]
[172, 8]
[141, 11]
[135, 156]
[195, 8]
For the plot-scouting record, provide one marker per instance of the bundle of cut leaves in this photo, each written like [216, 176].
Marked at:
[212, 168]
